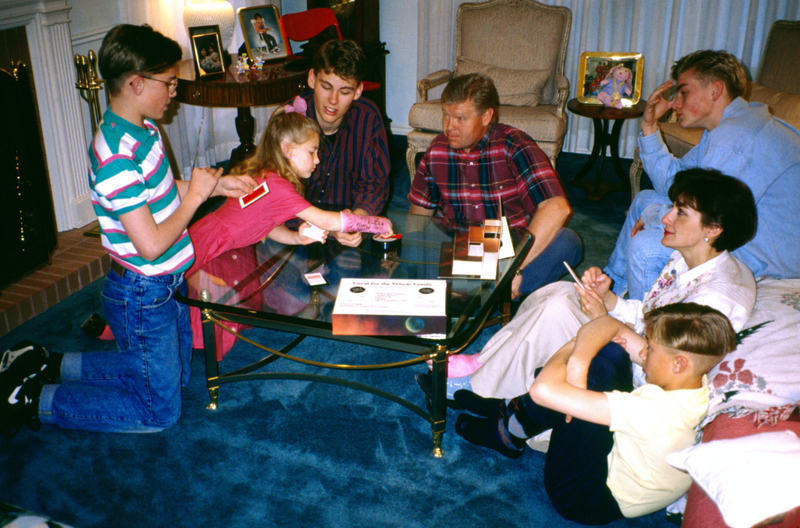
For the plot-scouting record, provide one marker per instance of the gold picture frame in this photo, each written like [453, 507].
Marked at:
[595, 86]
[207, 51]
[263, 34]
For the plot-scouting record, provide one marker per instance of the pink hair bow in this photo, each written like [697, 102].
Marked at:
[298, 105]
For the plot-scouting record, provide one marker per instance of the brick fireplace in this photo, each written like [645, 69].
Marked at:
[36, 32]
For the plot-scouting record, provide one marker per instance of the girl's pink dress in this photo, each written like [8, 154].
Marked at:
[232, 227]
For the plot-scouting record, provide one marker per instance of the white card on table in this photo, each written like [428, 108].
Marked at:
[312, 231]
[315, 279]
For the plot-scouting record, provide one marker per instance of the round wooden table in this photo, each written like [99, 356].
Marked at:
[274, 84]
[601, 115]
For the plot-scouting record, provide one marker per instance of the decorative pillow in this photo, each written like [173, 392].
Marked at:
[749, 479]
[515, 87]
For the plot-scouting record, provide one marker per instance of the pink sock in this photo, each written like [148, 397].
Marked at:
[461, 365]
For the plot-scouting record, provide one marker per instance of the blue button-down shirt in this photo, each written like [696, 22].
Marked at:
[763, 152]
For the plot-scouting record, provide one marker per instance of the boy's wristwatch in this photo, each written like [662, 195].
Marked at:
[518, 272]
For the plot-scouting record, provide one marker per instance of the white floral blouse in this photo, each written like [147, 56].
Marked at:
[723, 283]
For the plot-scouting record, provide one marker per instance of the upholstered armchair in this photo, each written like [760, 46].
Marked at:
[522, 46]
[777, 85]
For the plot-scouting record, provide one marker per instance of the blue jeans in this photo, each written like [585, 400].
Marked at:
[548, 266]
[635, 263]
[137, 388]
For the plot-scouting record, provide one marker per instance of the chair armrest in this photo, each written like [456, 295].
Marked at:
[562, 87]
[431, 81]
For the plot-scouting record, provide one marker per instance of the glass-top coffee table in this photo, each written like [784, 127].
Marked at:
[264, 285]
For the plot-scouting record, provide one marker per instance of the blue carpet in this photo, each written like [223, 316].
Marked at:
[284, 453]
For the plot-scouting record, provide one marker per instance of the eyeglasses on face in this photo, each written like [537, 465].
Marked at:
[173, 84]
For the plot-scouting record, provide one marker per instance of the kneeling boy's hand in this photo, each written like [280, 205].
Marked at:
[204, 181]
[235, 186]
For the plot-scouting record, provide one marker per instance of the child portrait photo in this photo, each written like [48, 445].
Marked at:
[207, 51]
[262, 33]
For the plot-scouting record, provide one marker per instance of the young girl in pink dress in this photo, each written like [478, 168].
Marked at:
[286, 155]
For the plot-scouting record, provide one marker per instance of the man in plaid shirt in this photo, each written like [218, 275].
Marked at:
[477, 162]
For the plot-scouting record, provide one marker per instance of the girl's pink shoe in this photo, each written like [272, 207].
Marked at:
[461, 365]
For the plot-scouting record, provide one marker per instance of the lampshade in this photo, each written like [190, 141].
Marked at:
[210, 12]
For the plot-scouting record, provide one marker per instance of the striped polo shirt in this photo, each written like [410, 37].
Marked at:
[127, 170]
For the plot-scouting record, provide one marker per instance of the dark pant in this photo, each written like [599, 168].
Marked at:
[576, 464]
[548, 266]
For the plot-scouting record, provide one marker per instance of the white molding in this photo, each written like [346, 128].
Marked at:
[89, 37]
[46, 25]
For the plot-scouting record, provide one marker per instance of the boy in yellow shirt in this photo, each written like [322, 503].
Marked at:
[608, 447]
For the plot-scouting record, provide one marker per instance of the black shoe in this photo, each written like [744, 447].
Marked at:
[483, 432]
[19, 404]
[487, 407]
[425, 382]
[27, 360]
[94, 325]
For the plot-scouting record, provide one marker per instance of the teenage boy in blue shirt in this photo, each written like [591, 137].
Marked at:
[740, 139]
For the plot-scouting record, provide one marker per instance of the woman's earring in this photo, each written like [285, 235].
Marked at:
[706, 239]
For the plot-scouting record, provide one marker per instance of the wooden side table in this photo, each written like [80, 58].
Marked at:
[601, 115]
[275, 84]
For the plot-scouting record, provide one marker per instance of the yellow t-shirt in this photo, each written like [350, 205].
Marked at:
[649, 423]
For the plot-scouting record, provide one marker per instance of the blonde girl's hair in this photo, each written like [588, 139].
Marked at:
[294, 127]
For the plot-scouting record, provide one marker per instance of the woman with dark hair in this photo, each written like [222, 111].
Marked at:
[711, 215]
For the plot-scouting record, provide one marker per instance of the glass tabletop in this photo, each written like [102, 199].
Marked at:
[268, 280]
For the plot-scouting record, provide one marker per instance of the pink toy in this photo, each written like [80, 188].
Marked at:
[364, 224]
[617, 83]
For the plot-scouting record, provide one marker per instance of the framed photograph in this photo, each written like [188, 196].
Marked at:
[207, 51]
[262, 33]
[610, 79]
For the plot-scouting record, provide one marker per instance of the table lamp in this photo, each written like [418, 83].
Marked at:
[210, 12]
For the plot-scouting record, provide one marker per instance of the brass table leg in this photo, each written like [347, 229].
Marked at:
[437, 444]
[209, 346]
[438, 403]
[213, 393]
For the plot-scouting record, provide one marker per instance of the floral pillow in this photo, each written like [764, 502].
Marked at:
[762, 375]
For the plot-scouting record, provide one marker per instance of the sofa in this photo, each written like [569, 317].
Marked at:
[742, 469]
[740, 473]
